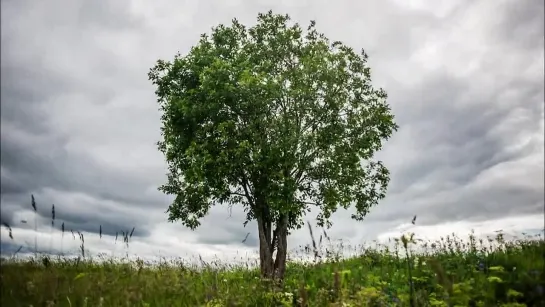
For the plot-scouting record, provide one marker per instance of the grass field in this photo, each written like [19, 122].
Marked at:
[449, 272]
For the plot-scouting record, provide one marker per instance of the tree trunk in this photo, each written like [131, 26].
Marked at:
[265, 248]
[273, 267]
[282, 248]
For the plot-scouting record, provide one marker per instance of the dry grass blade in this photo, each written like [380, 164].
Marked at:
[33, 203]
[326, 235]
[245, 238]
[315, 248]
[52, 215]
[127, 237]
[9, 230]
[82, 246]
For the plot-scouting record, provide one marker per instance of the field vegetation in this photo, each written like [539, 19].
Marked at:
[449, 272]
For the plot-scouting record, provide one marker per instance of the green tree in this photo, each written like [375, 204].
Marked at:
[275, 119]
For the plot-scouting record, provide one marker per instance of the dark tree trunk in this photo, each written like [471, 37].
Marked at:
[265, 248]
[281, 248]
[273, 266]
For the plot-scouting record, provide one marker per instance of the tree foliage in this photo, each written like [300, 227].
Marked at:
[274, 118]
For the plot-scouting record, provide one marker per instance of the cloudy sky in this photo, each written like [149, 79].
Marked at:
[79, 119]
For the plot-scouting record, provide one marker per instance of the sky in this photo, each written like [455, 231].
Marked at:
[80, 120]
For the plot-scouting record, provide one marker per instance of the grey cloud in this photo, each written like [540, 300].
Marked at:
[33, 154]
[522, 24]
[30, 168]
[453, 125]
[108, 14]
[454, 139]
[105, 14]
[20, 101]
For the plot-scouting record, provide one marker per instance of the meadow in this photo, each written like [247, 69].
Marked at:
[412, 272]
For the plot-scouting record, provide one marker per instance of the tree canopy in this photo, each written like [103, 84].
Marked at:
[275, 119]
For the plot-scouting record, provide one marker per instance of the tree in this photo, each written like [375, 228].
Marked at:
[275, 119]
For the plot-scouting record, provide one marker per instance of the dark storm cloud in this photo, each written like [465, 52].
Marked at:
[29, 167]
[458, 139]
[44, 163]
[22, 90]
[32, 152]
[33, 155]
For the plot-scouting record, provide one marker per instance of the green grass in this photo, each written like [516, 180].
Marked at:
[448, 272]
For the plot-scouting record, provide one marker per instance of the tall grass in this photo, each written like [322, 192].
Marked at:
[413, 272]
[33, 204]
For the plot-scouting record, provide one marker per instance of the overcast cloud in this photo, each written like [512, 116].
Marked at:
[79, 119]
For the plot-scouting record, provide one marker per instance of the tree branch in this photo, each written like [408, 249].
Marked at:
[245, 186]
